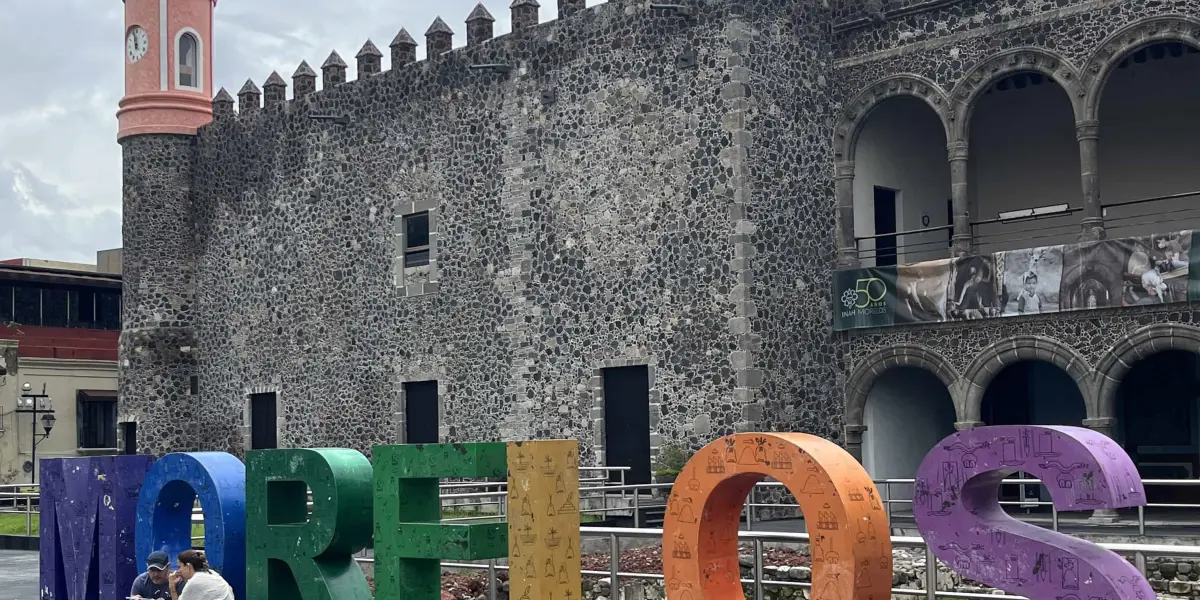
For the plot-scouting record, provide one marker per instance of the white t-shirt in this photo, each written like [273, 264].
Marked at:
[206, 586]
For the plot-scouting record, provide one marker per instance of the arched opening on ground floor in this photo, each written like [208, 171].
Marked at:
[908, 411]
[1158, 421]
[1031, 392]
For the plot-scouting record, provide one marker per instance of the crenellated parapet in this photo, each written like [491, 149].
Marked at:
[491, 58]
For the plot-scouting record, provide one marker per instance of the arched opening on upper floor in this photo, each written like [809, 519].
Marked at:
[901, 183]
[1148, 126]
[1023, 154]
[908, 410]
[1158, 421]
[1031, 392]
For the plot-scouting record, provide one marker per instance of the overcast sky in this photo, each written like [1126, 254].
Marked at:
[60, 165]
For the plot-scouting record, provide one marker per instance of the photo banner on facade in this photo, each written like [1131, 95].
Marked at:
[1135, 271]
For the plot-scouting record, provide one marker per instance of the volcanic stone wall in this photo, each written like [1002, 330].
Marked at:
[627, 185]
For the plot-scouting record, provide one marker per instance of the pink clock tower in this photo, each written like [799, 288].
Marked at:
[168, 67]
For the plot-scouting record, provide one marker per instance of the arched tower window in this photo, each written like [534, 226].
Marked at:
[188, 61]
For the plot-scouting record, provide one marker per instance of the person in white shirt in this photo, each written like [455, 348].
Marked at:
[203, 583]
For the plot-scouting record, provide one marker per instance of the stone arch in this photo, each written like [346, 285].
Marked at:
[1140, 344]
[1038, 60]
[1123, 42]
[856, 112]
[859, 384]
[1015, 349]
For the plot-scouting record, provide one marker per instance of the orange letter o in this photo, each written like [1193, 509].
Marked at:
[849, 535]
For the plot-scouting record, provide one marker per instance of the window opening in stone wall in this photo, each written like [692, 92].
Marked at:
[885, 222]
[194, 385]
[129, 437]
[421, 412]
[96, 418]
[627, 423]
[416, 239]
[264, 421]
[188, 54]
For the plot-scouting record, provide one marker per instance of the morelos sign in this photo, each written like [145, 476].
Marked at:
[103, 516]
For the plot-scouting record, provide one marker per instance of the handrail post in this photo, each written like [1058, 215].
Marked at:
[614, 565]
[887, 489]
[1142, 520]
[637, 510]
[1053, 517]
[758, 569]
[492, 579]
[930, 574]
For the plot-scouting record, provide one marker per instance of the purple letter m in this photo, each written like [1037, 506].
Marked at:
[89, 512]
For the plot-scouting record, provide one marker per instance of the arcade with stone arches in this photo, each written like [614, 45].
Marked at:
[924, 172]
[1144, 392]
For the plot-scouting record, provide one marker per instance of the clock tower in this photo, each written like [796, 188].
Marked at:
[168, 72]
[168, 91]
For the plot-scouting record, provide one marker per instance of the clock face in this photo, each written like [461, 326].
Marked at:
[136, 44]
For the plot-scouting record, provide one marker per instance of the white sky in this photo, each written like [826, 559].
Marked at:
[60, 165]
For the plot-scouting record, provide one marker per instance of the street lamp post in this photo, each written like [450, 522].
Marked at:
[34, 405]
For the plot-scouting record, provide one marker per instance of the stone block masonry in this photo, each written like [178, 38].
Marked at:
[599, 184]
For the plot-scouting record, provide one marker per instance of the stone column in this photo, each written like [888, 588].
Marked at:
[961, 243]
[843, 185]
[1102, 425]
[854, 440]
[1088, 134]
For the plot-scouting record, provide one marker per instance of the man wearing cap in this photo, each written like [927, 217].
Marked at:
[152, 585]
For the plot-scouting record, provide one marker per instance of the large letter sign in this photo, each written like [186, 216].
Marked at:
[543, 516]
[165, 510]
[292, 556]
[959, 516]
[410, 540]
[850, 543]
[89, 507]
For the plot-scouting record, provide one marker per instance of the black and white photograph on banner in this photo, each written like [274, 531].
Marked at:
[1092, 275]
[975, 288]
[1032, 278]
[921, 291]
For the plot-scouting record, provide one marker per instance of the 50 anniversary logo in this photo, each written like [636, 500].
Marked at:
[102, 516]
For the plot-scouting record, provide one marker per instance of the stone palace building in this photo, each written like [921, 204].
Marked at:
[635, 224]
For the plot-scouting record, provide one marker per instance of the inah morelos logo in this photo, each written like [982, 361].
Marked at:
[849, 297]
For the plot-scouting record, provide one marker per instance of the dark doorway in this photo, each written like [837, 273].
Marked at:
[627, 423]
[129, 437]
[421, 412]
[885, 222]
[264, 412]
[1156, 421]
[1031, 392]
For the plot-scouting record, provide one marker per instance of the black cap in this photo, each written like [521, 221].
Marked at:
[158, 560]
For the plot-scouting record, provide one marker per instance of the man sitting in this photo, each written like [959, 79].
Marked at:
[152, 585]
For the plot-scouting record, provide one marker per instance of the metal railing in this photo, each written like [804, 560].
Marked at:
[760, 583]
[1131, 217]
[491, 504]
